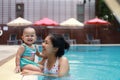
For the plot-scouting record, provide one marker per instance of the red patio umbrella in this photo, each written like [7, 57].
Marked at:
[96, 21]
[45, 22]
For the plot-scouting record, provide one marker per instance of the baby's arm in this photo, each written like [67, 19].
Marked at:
[39, 54]
[18, 56]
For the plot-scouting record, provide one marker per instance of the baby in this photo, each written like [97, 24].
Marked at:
[26, 52]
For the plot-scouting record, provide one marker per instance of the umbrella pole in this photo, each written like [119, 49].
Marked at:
[96, 32]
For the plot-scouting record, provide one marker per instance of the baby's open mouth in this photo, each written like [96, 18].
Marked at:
[30, 40]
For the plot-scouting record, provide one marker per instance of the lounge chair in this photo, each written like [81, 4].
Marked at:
[12, 39]
[39, 40]
[66, 36]
[71, 41]
[91, 40]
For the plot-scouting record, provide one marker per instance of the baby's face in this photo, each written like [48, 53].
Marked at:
[29, 36]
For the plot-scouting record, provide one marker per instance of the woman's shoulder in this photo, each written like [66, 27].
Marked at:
[63, 62]
[63, 58]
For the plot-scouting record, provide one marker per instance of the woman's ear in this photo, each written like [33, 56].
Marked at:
[56, 49]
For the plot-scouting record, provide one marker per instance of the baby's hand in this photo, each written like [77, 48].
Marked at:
[17, 69]
[43, 55]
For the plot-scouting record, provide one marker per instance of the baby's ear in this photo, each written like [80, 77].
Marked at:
[22, 37]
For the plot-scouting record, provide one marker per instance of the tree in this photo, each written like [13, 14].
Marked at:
[104, 12]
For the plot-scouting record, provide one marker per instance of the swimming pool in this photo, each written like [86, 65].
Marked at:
[92, 63]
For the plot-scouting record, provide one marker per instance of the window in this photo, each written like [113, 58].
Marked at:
[80, 12]
[19, 10]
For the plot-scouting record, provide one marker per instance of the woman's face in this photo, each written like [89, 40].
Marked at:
[48, 47]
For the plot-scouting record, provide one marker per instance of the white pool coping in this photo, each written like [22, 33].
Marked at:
[95, 45]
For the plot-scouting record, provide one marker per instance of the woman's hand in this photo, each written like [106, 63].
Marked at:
[29, 72]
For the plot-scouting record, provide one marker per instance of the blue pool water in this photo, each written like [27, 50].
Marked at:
[93, 63]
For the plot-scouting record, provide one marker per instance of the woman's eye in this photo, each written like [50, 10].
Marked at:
[43, 41]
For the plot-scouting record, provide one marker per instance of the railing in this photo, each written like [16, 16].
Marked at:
[71, 41]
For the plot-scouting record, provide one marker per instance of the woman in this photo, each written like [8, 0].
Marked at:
[56, 64]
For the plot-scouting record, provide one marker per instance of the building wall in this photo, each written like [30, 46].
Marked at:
[58, 10]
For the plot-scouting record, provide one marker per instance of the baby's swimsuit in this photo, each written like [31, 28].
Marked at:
[28, 52]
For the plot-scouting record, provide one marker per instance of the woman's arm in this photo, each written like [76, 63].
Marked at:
[64, 67]
[30, 72]
[42, 61]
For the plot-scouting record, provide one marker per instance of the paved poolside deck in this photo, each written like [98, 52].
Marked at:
[7, 63]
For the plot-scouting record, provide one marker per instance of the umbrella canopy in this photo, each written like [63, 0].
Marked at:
[45, 22]
[96, 21]
[19, 22]
[71, 22]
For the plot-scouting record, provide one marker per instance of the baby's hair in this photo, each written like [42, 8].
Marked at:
[28, 28]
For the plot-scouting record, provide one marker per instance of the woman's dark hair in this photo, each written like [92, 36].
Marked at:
[59, 42]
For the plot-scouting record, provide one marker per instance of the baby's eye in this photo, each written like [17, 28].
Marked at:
[26, 35]
[46, 42]
[32, 35]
